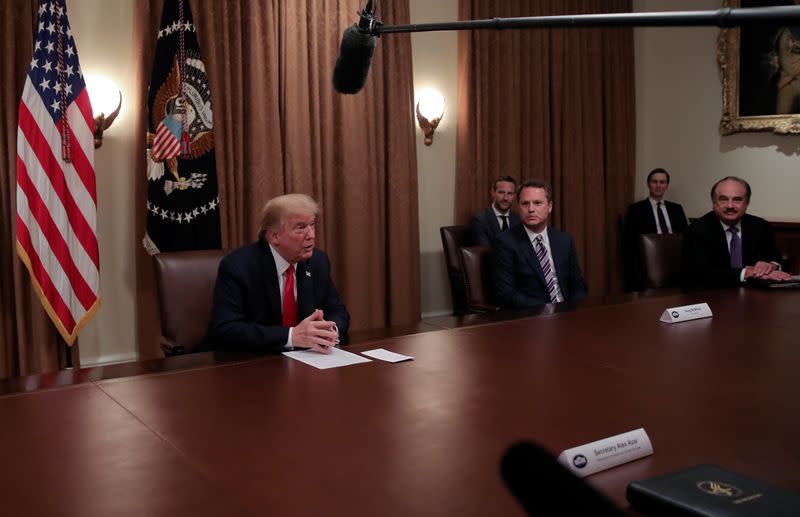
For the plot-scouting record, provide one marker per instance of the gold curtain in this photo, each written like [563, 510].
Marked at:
[280, 127]
[29, 343]
[555, 104]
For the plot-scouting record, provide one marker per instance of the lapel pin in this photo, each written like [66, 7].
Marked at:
[308, 274]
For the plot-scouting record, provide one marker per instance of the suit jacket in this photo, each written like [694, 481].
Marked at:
[484, 226]
[640, 218]
[247, 302]
[706, 259]
[518, 277]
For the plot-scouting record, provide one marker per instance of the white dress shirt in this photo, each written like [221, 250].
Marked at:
[499, 216]
[654, 206]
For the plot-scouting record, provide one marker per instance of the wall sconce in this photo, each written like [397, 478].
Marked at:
[105, 97]
[430, 109]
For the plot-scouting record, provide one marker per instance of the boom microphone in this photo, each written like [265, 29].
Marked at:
[355, 54]
[544, 487]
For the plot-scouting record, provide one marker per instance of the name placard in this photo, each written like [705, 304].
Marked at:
[686, 313]
[607, 453]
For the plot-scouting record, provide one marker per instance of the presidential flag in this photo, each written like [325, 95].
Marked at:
[182, 198]
[56, 192]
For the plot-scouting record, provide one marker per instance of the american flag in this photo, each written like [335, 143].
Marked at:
[56, 191]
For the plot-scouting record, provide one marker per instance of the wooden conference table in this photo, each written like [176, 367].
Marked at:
[271, 436]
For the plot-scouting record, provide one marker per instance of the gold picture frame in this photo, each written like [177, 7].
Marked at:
[747, 66]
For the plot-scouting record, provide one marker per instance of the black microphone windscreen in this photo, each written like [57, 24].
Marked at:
[544, 487]
[352, 65]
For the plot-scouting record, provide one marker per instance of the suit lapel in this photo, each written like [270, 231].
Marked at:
[493, 220]
[305, 289]
[270, 278]
[650, 217]
[557, 250]
[748, 242]
[721, 241]
[529, 252]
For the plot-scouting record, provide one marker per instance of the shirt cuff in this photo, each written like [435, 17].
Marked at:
[289, 339]
[741, 275]
[778, 266]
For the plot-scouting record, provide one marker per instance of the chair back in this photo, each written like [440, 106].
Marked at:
[477, 279]
[185, 282]
[453, 238]
[661, 259]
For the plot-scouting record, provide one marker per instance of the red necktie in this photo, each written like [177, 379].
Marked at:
[289, 303]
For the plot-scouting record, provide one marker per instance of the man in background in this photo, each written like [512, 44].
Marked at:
[727, 246]
[533, 263]
[277, 293]
[653, 214]
[487, 224]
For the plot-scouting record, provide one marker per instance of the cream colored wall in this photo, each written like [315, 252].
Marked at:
[103, 33]
[678, 107]
[435, 56]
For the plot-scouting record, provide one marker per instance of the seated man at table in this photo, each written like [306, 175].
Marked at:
[534, 264]
[654, 214]
[488, 223]
[727, 246]
[277, 293]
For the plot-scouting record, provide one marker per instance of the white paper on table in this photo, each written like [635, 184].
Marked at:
[335, 359]
[385, 355]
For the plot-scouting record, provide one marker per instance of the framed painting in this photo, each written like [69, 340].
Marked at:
[760, 67]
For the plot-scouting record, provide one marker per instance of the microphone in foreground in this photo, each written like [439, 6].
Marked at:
[544, 487]
[355, 53]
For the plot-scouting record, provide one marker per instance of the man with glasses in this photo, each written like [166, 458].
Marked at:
[277, 293]
[727, 246]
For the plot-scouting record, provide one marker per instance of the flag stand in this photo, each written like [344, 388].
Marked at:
[66, 359]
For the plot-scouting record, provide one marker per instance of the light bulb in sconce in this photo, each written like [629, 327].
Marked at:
[430, 109]
[106, 99]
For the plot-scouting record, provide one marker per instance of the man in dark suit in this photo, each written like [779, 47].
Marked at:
[277, 293]
[727, 246]
[534, 264]
[655, 214]
[651, 215]
[487, 224]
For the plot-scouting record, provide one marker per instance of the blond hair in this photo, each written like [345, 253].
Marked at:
[279, 208]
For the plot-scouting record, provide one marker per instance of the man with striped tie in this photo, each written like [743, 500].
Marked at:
[535, 264]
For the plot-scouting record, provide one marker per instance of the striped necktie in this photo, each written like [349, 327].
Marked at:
[541, 254]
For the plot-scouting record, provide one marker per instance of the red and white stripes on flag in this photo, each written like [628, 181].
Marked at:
[167, 143]
[56, 191]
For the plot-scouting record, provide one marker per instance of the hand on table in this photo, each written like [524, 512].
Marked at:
[314, 333]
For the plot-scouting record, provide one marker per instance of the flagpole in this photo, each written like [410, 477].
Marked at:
[61, 343]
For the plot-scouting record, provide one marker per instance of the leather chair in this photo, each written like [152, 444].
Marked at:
[661, 259]
[185, 282]
[477, 278]
[453, 238]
